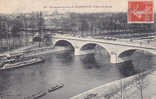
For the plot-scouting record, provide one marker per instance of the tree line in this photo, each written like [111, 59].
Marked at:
[100, 22]
[12, 25]
[89, 23]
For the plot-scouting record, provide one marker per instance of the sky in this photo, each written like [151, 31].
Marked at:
[81, 6]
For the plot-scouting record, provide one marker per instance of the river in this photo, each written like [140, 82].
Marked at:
[78, 73]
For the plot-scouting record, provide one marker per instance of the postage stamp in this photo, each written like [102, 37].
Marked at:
[140, 12]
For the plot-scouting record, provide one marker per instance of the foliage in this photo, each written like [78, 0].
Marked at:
[15, 23]
[89, 23]
[93, 22]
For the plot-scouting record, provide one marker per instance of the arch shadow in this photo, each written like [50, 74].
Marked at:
[88, 46]
[140, 60]
[127, 53]
[100, 56]
[64, 43]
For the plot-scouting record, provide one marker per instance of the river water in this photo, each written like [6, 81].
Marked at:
[78, 73]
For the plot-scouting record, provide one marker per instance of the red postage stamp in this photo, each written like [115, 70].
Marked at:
[140, 12]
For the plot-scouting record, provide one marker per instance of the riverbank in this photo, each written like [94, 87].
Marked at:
[11, 43]
[20, 49]
[34, 50]
[133, 87]
[44, 50]
[149, 90]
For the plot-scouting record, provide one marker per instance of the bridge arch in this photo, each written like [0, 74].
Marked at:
[141, 59]
[88, 46]
[126, 53]
[130, 51]
[64, 43]
[94, 45]
[99, 49]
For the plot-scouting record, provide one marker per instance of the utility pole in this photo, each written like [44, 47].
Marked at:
[122, 89]
[7, 33]
[25, 29]
[40, 27]
[121, 81]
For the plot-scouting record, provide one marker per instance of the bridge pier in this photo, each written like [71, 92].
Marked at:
[77, 51]
[113, 58]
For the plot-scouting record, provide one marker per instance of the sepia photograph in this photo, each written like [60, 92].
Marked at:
[77, 49]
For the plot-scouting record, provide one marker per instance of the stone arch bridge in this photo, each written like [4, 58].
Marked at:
[118, 51]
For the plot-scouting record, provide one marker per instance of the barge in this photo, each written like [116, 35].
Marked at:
[17, 61]
[58, 86]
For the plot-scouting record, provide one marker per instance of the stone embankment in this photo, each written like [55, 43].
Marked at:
[120, 89]
[44, 50]
[35, 50]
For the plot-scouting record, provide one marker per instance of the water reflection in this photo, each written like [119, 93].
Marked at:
[65, 58]
[126, 68]
[142, 61]
[78, 73]
[89, 61]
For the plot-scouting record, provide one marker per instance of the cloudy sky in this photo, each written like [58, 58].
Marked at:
[82, 6]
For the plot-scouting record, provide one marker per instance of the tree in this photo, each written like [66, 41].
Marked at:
[16, 27]
[142, 66]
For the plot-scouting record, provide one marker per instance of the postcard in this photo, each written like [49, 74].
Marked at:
[77, 49]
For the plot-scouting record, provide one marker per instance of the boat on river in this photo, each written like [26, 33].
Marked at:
[16, 61]
[91, 96]
[58, 86]
[37, 95]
